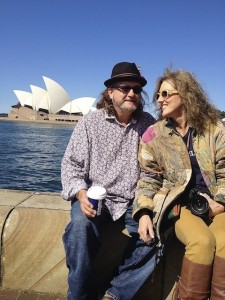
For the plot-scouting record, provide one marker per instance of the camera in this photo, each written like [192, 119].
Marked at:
[198, 204]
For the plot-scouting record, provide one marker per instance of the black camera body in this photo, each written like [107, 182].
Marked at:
[198, 204]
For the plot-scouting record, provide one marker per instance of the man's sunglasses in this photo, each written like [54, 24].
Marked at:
[166, 94]
[126, 89]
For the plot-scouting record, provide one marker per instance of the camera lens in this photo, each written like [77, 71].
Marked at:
[199, 206]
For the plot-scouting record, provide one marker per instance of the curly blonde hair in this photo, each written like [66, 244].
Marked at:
[198, 109]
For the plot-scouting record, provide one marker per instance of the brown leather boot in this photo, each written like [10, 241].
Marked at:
[218, 279]
[195, 281]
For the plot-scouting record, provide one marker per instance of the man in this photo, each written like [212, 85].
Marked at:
[103, 151]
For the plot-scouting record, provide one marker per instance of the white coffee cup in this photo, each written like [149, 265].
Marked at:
[95, 195]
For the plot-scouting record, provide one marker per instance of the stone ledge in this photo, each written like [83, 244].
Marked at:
[33, 258]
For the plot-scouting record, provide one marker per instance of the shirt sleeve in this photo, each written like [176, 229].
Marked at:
[75, 162]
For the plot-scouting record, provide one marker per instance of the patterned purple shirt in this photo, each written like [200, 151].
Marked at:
[103, 152]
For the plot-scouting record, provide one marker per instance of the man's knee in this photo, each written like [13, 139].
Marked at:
[80, 226]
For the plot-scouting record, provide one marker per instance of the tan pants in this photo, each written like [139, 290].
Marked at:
[201, 241]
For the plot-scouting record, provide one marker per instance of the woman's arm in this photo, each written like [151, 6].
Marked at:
[220, 163]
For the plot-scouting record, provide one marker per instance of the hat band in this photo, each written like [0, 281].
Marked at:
[125, 74]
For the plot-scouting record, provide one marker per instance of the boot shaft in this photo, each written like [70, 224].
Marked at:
[218, 279]
[195, 281]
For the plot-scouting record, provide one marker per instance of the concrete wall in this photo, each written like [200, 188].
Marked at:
[26, 113]
[32, 253]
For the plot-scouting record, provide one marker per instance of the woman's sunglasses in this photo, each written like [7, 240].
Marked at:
[166, 94]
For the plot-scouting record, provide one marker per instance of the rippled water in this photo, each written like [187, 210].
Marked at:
[31, 154]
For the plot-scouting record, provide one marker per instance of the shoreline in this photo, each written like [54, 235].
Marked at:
[39, 121]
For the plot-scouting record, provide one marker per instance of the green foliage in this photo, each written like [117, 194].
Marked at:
[221, 114]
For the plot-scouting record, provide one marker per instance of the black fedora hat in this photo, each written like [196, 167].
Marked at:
[125, 71]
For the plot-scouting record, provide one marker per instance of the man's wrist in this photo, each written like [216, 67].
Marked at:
[79, 194]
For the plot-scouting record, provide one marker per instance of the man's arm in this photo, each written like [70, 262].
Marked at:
[75, 163]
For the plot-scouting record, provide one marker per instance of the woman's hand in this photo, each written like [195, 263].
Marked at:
[145, 228]
[215, 208]
[85, 204]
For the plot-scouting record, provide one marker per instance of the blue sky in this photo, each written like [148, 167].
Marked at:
[76, 43]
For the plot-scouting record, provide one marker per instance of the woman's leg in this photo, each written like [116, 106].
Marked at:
[199, 253]
[195, 235]
[218, 230]
[218, 279]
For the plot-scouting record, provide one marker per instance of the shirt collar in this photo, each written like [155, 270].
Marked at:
[111, 117]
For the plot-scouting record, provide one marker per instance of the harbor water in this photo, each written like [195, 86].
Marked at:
[31, 155]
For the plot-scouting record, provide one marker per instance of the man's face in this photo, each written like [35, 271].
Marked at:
[125, 96]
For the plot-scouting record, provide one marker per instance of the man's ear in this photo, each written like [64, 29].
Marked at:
[110, 93]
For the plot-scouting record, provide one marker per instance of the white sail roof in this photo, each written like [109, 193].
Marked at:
[71, 107]
[25, 98]
[85, 104]
[54, 99]
[40, 97]
[80, 105]
[58, 97]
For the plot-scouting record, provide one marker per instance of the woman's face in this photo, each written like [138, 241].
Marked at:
[169, 101]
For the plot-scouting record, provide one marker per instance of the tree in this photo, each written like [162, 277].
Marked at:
[221, 114]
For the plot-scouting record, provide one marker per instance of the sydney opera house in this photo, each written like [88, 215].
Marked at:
[53, 104]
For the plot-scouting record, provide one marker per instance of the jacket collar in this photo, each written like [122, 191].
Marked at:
[172, 129]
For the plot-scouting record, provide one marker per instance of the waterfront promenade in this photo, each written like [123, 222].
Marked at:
[38, 121]
[32, 256]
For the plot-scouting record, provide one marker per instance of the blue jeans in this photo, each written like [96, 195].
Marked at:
[82, 239]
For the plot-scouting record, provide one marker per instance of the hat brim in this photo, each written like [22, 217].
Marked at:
[109, 82]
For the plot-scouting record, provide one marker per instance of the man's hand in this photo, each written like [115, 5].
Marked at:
[215, 208]
[85, 205]
[145, 228]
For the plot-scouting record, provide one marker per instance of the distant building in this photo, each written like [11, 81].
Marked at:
[3, 115]
[52, 104]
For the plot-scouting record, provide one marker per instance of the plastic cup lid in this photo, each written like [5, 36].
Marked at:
[96, 192]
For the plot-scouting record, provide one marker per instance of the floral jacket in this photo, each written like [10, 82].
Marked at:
[166, 168]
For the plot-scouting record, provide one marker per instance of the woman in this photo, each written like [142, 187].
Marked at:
[182, 158]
